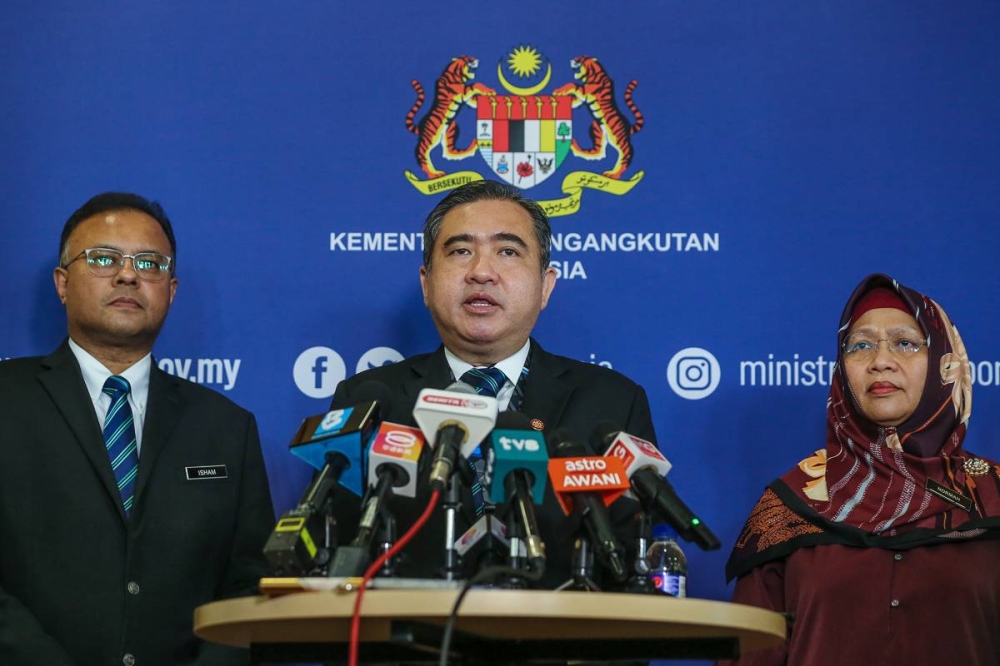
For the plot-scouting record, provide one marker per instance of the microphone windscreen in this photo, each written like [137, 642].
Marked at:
[460, 387]
[366, 392]
[562, 444]
[602, 435]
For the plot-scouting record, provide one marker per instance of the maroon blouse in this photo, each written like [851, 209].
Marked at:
[872, 607]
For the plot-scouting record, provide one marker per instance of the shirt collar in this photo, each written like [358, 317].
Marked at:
[511, 366]
[95, 374]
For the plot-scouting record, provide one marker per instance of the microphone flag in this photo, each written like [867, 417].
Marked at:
[345, 430]
[596, 474]
[510, 450]
[397, 445]
[637, 453]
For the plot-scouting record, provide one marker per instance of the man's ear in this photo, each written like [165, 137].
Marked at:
[548, 284]
[423, 282]
[60, 276]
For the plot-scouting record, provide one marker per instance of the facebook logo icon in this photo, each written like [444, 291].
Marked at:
[318, 370]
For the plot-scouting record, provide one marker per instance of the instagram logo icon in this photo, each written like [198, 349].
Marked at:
[693, 373]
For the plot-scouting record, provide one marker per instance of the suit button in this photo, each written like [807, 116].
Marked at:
[128, 659]
[894, 603]
[133, 587]
[897, 557]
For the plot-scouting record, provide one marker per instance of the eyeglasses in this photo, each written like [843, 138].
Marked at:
[864, 348]
[105, 262]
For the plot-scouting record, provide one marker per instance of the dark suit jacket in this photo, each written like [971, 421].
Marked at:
[69, 558]
[561, 392]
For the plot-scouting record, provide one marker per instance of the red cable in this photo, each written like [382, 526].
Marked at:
[352, 659]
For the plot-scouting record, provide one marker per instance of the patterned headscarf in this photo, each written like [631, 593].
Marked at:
[890, 487]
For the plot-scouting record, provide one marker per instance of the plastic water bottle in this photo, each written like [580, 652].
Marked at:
[667, 564]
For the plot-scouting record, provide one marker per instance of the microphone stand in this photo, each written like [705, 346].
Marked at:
[527, 551]
[352, 560]
[639, 582]
[515, 559]
[452, 502]
[386, 540]
[583, 568]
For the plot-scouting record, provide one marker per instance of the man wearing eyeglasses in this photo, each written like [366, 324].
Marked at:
[127, 496]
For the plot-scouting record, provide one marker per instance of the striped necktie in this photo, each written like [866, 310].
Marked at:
[119, 439]
[486, 381]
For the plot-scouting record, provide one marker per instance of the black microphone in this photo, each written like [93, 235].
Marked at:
[645, 466]
[393, 459]
[334, 443]
[516, 465]
[591, 507]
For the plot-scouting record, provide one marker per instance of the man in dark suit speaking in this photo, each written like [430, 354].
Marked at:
[485, 278]
[127, 496]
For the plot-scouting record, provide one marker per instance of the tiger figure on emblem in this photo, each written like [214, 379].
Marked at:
[437, 127]
[596, 89]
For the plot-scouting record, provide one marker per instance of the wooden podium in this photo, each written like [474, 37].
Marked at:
[494, 625]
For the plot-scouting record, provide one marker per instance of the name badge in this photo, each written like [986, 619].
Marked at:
[949, 495]
[206, 472]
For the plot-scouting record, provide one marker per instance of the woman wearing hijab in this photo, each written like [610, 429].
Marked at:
[883, 546]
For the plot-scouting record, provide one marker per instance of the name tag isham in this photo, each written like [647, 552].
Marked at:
[206, 472]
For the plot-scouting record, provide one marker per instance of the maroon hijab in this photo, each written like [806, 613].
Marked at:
[889, 487]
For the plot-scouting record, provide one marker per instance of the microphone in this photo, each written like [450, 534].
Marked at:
[332, 443]
[516, 466]
[646, 467]
[396, 450]
[589, 504]
[456, 420]
[345, 432]
[393, 459]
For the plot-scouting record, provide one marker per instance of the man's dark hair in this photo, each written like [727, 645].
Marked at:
[487, 190]
[112, 201]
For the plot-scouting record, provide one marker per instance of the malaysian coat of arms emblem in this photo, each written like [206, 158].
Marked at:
[526, 136]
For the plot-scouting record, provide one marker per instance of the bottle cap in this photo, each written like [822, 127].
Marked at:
[663, 532]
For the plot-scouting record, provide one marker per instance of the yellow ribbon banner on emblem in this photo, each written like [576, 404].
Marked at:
[442, 184]
[576, 182]
[572, 186]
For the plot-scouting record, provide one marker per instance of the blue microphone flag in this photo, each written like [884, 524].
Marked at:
[347, 431]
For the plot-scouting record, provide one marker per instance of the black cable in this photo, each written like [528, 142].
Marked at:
[486, 574]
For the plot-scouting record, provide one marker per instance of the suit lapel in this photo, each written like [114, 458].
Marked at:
[432, 371]
[548, 391]
[164, 408]
[64, 383]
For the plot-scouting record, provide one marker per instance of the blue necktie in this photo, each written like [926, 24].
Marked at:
[119, 439]
[486, 381]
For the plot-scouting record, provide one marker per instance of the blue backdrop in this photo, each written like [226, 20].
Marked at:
[787, 149]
